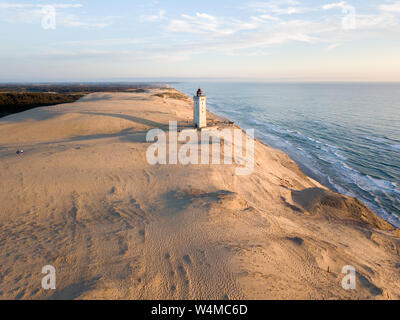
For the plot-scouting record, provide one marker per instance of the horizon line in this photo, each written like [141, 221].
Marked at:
[170, 80]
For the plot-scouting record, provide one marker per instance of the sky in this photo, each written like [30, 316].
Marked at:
[277, 40]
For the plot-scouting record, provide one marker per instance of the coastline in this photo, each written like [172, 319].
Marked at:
[355, 160]
[300, 166]
[134, 231]
[329, 187]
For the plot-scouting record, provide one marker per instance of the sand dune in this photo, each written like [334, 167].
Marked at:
[84, 199]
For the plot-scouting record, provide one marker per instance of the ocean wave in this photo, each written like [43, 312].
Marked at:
[376, 139]
[333, 155]
[345, 175]
[381, 184]
[323, 147]
[395, 146]
[366, 182]
[385, 141]
[381, 212]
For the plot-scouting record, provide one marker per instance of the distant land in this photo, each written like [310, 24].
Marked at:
[20, 97]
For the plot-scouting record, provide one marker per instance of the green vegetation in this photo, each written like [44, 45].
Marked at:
[17, 102]
[172, 95]
[77, 87]
[20, 97]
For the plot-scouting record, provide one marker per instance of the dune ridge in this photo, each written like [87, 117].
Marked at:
[84, 199]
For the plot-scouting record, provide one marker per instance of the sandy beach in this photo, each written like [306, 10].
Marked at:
[83, 198]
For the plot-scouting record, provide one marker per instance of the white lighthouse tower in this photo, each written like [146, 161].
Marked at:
[199, 110]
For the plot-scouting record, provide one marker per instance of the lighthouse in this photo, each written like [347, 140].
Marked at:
[199, 110]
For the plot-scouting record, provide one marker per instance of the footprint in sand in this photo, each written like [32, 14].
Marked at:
[122, 244]
[179, 280]
[113, 190]
[187, 259]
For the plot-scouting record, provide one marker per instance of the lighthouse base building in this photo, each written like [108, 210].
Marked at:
[199, 110]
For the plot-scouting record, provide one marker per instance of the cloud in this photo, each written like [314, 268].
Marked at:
[254, 43]
[268, 17]
[33, 13]
[102, 42]
[149, 4]
[334, 5]
[282, 7]
[252, 38]
[200, 23]
[333, 46]
[212, 26]
[153, 18]
[391, 8]
[73, 22]
[143, 54]
[26, 5]
[191, 34]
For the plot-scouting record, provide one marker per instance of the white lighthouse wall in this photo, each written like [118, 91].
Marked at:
[200, 112]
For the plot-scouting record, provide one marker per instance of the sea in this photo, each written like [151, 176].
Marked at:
[344, 135]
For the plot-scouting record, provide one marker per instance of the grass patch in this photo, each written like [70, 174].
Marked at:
[171, 95]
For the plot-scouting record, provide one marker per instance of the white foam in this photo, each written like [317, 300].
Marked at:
[395, 146]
